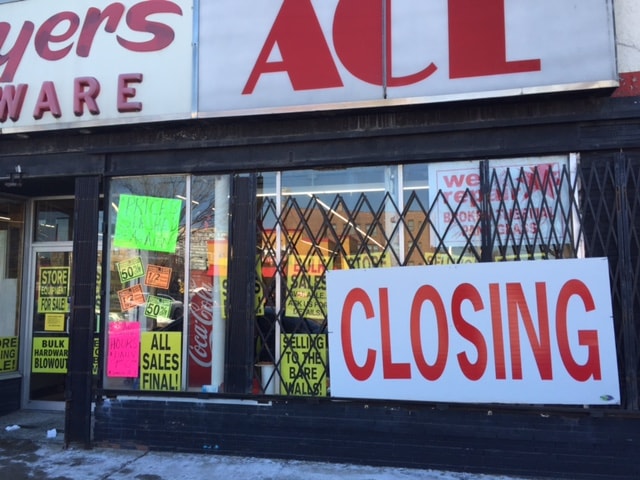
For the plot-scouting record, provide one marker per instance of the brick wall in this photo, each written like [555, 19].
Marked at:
[10, 395]
[527, 442]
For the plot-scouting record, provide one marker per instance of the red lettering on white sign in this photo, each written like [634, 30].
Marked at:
[473, 361]
[55, 46]
[85, 97]
[362, 39]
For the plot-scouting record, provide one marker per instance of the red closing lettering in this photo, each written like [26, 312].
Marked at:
[427, 293]
[587, 338]
[390, 370]
[357, 296]
[471, 370]
[540, 343]
[497, 330]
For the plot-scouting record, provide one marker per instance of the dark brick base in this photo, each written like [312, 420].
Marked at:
[10, 395]
[534, 443]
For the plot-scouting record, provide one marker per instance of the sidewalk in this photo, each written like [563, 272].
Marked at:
[32, 448]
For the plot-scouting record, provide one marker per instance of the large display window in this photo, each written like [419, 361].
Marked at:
[168, 242]
[11, 241]
[313, 221]
[169, 257]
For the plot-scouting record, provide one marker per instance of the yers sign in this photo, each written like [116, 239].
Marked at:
[96, 62]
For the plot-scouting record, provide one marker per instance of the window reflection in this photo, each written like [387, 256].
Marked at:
[53, 220]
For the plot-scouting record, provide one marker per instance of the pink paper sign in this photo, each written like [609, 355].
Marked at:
[124, 349]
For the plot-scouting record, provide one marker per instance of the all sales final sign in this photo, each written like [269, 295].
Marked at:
[538, 332]
[73, 63]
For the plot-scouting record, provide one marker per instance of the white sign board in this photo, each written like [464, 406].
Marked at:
[529, 199]
[287, 55]
[78, 63]
[536, 332]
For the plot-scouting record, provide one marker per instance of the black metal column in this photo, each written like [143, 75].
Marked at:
[242, 273]
[82, 321]
[629, 326]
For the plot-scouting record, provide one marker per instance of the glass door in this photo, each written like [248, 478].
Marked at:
[50, 285]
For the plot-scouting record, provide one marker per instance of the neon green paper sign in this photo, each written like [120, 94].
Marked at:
[148, 223]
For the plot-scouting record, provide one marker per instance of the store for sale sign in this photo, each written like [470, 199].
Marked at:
[538, 332]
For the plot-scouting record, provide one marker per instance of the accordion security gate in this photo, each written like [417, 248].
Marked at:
[547, 210]
[611, 225]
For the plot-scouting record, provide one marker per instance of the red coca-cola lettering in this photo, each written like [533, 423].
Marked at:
[55, 46]
[477, 45]
[200, 329]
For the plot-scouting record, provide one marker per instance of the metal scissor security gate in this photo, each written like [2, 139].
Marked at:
[546, 211]
[610, 204]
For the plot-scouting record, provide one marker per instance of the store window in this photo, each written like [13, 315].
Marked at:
[313, 221]
[168, 243]
[11, 241]
[53, 220]
[170, 251]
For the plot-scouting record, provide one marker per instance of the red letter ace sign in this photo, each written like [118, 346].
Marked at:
[510, 332]
[298, 54]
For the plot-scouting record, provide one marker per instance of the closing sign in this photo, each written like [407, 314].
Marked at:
[515, 332]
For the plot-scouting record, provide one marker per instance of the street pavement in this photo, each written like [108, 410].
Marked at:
[32, 448]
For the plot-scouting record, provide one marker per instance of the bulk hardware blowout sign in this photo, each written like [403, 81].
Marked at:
[536, 332]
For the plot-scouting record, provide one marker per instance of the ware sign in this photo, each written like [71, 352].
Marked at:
[537, 332]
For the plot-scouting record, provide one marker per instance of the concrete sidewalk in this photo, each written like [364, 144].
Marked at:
[32, 448]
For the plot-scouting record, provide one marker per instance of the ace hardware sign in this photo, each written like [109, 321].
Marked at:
[83, 63]
[279, 55]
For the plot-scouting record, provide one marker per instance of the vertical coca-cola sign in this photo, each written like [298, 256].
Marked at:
[200, 331]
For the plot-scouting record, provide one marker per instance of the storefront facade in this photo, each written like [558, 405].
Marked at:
[420, 243]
